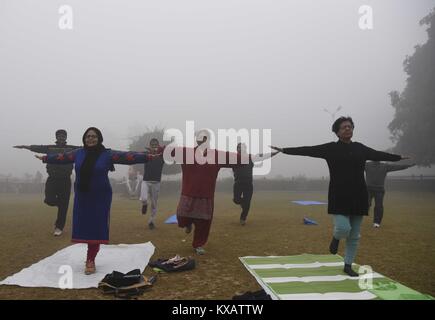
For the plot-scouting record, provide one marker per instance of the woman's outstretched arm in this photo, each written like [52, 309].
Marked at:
[131, 157]
[375, 155]
[261, 157]
[59, 158]
[319, 151]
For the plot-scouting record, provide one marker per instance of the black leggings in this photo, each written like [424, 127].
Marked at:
[242, 196]
[378, 195]
[57, 193]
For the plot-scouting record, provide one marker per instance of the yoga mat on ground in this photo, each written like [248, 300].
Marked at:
[308, 203]
[172, 219]
[321, 277]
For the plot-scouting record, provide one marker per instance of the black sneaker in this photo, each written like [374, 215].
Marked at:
[348, 270]
[333, 246]
[237, 201]
[52, 203]
[144, 209]
[151, 226]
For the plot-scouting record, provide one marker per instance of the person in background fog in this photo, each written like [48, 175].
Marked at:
[243, 181]
[152, 177]
[58, 184]
[376, 172]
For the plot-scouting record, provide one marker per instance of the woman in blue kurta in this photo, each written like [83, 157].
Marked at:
[93, 193]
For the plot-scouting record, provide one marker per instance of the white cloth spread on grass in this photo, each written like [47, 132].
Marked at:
[65, 268]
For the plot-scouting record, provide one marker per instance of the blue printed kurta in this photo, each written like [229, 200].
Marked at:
[91, 213]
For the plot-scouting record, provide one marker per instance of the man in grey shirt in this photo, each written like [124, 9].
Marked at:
[376, 172]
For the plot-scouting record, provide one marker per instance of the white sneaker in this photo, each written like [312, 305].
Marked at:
[376, 225]
[57, 232]
[200, 250]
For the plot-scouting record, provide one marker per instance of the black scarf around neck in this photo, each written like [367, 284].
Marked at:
[91, 157]
[88, 165]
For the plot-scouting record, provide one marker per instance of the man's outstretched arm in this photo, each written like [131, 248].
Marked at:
[34, 148]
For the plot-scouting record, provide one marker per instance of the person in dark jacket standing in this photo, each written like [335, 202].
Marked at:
[376, 172]
[152, 177]
[347, 196]
[58, 184]
[243, 181]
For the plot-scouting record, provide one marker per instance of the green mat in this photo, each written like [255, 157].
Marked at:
[321, 277]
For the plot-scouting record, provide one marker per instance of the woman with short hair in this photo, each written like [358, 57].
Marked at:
[347, 196]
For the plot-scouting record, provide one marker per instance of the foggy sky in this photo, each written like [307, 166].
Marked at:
[128, 65]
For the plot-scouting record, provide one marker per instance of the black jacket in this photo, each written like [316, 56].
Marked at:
[347, 187]
[153, 169]
[244, 173]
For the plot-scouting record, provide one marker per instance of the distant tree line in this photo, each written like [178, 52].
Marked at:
[296, 184]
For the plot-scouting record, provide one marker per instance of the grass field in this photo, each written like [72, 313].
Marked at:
[402, 249]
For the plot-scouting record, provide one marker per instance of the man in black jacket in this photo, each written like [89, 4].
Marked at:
[58, 184]
[243, 180]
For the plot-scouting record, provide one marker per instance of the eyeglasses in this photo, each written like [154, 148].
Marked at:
[346, 127]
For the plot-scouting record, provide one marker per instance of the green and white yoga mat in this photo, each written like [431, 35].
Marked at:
[321, 277]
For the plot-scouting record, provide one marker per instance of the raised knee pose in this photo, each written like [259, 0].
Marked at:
[93, 193]
[347, 196]
[58, 184]
[376, 172]
[152, 177]
[200, 167]
[243, 181]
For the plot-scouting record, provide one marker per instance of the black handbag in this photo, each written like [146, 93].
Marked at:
[126, 286]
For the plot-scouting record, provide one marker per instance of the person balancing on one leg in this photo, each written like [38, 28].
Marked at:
[200, 167]
[93, 193]
[376, 172]
[243, 180]
[347, 196]
[58, 184]
[151, 181]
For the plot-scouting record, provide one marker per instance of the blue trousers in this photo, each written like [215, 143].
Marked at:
[348, 227]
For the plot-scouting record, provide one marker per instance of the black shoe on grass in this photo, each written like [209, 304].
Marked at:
[333, 247]
[348, 270]
[144, 209]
